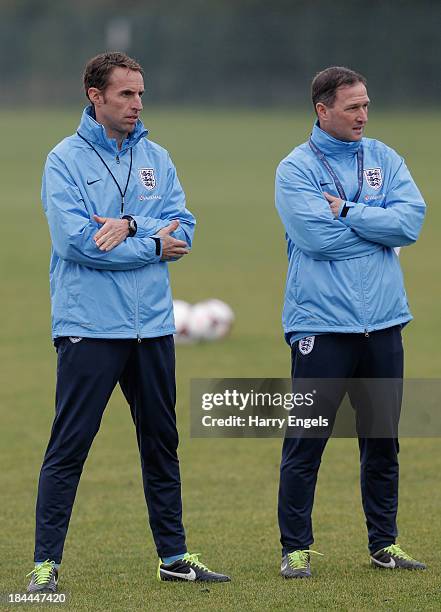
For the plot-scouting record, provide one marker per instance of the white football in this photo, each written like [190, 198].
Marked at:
[181, 311]
[210, 320]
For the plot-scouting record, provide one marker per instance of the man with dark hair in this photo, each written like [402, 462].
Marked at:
[346, 202]
[325, 84]
[116, 213]
[98, 70]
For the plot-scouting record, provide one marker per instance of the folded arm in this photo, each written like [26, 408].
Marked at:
[73, 228]
[309, 222]
[173, 209]
[399, 222]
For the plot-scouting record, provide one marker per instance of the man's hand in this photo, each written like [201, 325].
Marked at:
[335, 204]
[112, 232]
[171, 248]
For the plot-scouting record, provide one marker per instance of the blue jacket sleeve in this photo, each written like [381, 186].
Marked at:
[399, 222]
[309, 222]
[174, 208]
[72, 228]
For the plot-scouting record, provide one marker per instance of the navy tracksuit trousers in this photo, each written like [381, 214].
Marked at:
[87, 372]
[343, 356]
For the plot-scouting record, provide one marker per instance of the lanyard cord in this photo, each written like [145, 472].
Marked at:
[123, 193]
[341, 192]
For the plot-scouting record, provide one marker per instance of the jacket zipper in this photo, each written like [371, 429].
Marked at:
[366, 333]
[134, 273]
[122, 199]
[137, 308]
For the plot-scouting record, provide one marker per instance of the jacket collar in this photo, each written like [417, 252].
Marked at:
[95, 133]
[332, 146]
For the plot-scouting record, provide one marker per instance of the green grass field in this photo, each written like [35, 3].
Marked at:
[226, 162]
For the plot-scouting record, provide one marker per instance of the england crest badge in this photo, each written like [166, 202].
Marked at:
[374, 177]
[306, 345]
[147, 177]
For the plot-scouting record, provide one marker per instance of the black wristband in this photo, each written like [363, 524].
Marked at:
[157, 245]
[344, 210]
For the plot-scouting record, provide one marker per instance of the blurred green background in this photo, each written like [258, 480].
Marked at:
[227, 88]
[222, 52]
[226, 162]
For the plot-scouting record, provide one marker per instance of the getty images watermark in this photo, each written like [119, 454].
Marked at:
[252, 401]
[315, 408]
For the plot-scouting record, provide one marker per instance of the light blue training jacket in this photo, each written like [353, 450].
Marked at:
[123, 293]
[343, 274]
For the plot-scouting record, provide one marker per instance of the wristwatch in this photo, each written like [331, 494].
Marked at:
[132, 225]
